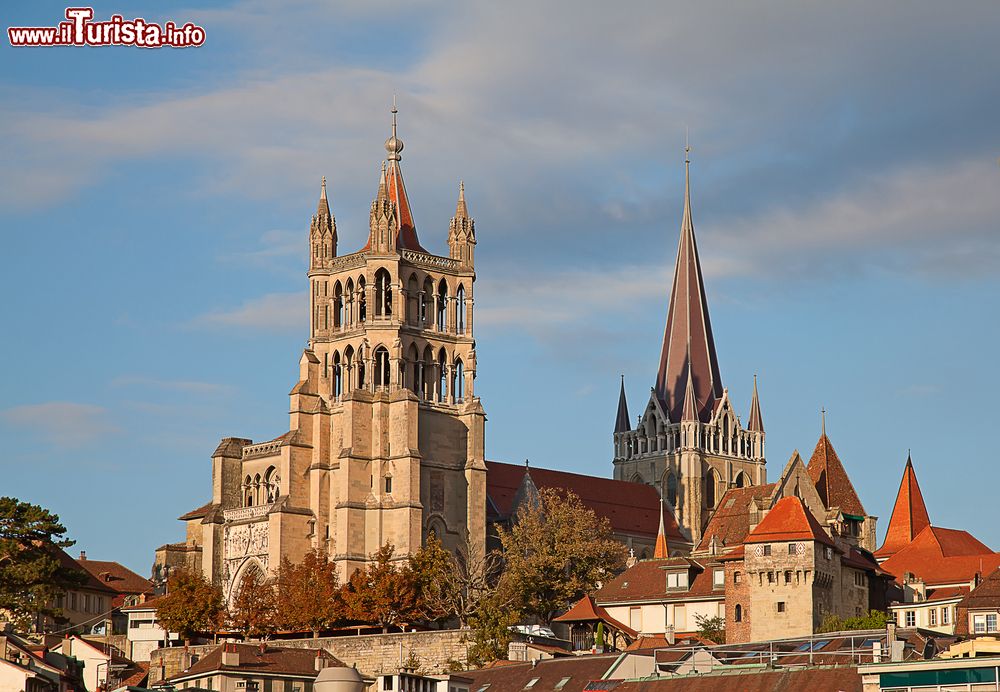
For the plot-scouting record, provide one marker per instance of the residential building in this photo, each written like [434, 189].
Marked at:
[255, 668]
[85, 607]
[31, 667]
[978, 612]
[966, 674]
[104, 665]
[688, 441]
[143, 631]
[935, 568]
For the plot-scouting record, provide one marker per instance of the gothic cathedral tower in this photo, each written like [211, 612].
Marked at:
[385, 440]
[391, 367]
[689, 442]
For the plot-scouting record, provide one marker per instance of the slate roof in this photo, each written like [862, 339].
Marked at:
[631, 508]
[831, 480]
[789, 520]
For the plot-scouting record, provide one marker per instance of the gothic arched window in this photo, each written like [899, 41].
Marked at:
[381, 367]
[272, 484]
[412, 301]
[248, 492]
[442, 384]
[711, 488]
[458, 382]
[741, 480]
[671, 489]
[738, 613]
[362, 301]
[349, 307]
[442, 305]
[338, 377]
[427, 378]
[257, 494]
[460, 309]
[338, 305]
[383, 294]
[426, 303]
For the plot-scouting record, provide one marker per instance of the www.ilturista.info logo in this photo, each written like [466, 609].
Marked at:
[117, 31]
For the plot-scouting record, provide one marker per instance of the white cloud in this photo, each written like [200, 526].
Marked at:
[271, 312]
[188, 386]
[61, 423]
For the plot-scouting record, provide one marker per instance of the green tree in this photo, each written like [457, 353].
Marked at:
[309, 594]
[874, 620]
[31, 574]
[711, 627]
[489, 634]
[557, 551]
[192, 605]
[381, 593]
[254, 607]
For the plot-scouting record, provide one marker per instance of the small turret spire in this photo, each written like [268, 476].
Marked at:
[661, 551]
[690, 410]
[756, 422]
[461, 210]
[622, 419]
[382, 188]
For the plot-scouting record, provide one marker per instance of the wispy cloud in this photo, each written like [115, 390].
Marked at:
[187, 386]
[61, 423]
[272, 312]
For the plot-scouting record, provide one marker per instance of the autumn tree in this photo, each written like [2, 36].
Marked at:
[556, 551]
[431, 570]
[469, 578]
[711, 627]
[490, 634]
[192, 605]
[31, 575]
[381, 593]
[253, 611]
[309, 593]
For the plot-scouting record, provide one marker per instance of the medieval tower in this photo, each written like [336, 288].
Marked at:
[689, 442]
[385, 440]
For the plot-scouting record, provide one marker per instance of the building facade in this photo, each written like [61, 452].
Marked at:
[689, 442]
[385, 440]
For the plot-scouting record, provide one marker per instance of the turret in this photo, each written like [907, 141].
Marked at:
[322, 232]
[462, 232]
[382, 220]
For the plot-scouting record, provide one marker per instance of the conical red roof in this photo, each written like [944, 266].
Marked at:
[831, 480]
[788, 520]
[909, 514]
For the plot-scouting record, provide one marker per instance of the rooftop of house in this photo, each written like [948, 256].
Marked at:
[942, 556]
[255, 658]
[115, 576]
[789, 520]
[831, 479]
[647, 580]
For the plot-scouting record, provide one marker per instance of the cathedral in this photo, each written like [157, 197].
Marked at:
[385, 434]
[689, 441]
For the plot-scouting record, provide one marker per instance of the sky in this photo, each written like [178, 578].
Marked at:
[154, 210]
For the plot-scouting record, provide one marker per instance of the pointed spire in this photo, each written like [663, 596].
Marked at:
[382, 188]
[689, 411]
[831, 480]
[909, 514]
[324, 205]
[688, 345]
[622, 419]
[661, 550]
[822, 415]
[461, 211]
[395, 191]
[755, 422]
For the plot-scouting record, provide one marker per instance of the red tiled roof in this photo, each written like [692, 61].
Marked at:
[731, 521]
[831, 480]
[986, 595]
[148, 604]
[585, 610]
[942, 556]
[274, 661]
[90, 581]
[789, 520]
[834, 679]
[577, 671]
[196, 513]
[647, 580]
[136, 678]
[116, 576]
[631, 508]
[943, 593]
[909, 514]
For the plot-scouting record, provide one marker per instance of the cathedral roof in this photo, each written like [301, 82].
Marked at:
[789, 520]
[688, 345]
[630, 508]
[909, 514]
[730, 523]
[831, 480]
[622, 423]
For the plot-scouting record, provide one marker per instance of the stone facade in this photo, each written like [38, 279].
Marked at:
[386, 435]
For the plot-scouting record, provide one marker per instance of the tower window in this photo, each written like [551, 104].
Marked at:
[388, 485]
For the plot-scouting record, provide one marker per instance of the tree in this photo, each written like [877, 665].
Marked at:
[253, 611]
[490, 631]
[31, 575]
[309, 593]
[557, 551]
[430, 570]
[874, 620]
[711, 627]
[471, 579]
[192, 605]
[380, 593]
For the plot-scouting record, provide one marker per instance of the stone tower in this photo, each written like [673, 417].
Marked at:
[385, 440]
[688, 441]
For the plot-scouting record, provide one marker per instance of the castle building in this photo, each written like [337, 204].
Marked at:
[385, 439]
[688, 442]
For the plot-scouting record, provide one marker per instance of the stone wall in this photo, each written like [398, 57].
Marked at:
[373, 654]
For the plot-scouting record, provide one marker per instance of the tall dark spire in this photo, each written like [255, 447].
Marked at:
[622, 422]
[688, 346]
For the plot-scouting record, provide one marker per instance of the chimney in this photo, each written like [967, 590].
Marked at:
[230, 655]
[263, 648]
[83, 554]
[671, 635]
[320, 661]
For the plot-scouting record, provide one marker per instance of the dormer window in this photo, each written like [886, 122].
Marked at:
[677, 580]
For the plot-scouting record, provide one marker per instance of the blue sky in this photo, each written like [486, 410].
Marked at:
[154, 207]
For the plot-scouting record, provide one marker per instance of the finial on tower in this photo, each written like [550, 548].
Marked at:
[394, 144]
[322, 192]
[822, 413]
